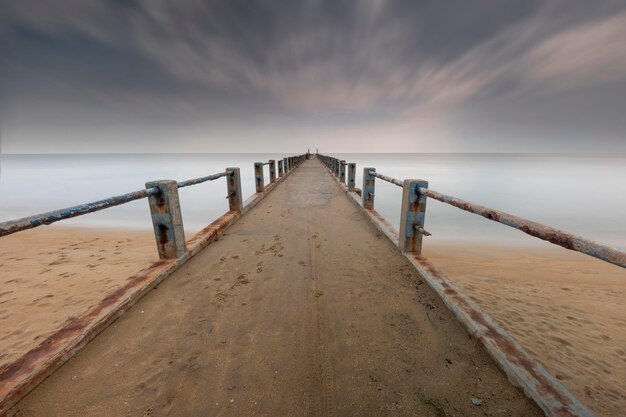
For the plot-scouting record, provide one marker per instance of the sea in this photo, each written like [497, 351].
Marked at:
[582, 194]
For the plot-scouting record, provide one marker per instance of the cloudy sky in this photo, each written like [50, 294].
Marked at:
[341, 76]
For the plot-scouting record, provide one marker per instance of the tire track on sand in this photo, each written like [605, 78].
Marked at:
[323, 361]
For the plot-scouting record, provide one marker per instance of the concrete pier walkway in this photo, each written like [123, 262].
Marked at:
[301, 309]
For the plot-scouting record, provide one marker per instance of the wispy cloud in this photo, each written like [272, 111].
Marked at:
[380, 63]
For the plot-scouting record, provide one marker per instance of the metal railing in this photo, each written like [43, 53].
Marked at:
[413, 210]
[520, 367]
[164, 205]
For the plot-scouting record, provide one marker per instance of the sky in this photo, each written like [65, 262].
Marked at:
[338, 76]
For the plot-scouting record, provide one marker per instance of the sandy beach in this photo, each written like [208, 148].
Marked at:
[567, 309]
[51, 274]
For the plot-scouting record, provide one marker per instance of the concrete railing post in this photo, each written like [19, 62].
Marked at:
[412, 216]
[351, 176]
[342, 171]
[369, 184]
[233, 187]
[259, 180]
[272, 170]
[280, 168]
[167, 219]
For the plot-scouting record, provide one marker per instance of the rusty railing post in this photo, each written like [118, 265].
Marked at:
[259, 180]
[342, 171]
[351, 176]
[233, 187]
[369, 184]
[412, 216]
[280, 168]
[272, 170]
[167, 219]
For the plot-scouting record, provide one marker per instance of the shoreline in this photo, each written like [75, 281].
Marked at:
[566, 308]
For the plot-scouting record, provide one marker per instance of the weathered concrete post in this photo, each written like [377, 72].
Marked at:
[167, 219]
[412, 216]
[259, 180]
[272, 170]
[280, 168]
[368, 188]
[342, 171]
[351, 176]
[233, 187]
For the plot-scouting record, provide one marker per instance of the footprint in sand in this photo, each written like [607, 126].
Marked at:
[221, 296]
[259, 267]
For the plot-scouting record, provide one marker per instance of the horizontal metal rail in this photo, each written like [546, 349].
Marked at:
[12, 226]
[550, 234]
[25, 223]
[200, 180]
[386, 178]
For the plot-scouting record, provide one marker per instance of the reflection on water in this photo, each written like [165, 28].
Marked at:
[581, 194]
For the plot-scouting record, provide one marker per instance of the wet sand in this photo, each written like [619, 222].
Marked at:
[291, 313]
[567, 309]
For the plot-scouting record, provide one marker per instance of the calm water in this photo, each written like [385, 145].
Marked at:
[581, 194]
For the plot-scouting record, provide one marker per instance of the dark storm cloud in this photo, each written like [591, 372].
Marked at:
[402, 67]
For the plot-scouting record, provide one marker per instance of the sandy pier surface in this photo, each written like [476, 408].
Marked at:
[291, 313]
[569, 310]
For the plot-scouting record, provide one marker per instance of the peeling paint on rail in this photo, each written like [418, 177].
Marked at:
[538, 230]
[200, 180]
[12, 226]
[387, 178]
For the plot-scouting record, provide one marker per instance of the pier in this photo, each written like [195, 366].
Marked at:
[301, 300]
